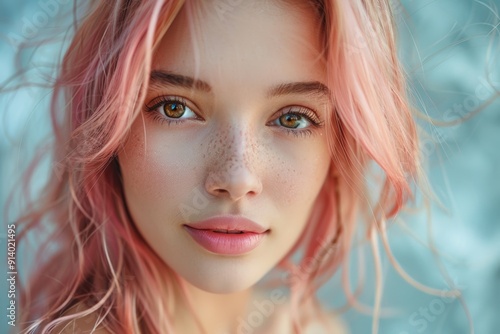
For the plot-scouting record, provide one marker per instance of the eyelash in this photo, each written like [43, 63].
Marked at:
[296, 110]
[302, 111]
[159, 101]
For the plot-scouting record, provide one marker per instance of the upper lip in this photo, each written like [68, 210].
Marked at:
[228, 223]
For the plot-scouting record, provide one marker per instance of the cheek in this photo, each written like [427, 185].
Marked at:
[154, 180]
[298, 179]
[298, 175]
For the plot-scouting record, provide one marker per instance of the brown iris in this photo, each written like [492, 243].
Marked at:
[174, 109]
[290, 120]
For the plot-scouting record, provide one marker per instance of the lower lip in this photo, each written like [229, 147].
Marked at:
[226, 243]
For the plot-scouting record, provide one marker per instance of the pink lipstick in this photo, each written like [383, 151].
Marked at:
[227, 235]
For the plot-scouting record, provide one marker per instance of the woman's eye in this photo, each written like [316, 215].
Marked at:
[297, 118]
[293, 121]
[170, 108]
[298, 121]
[176, 109]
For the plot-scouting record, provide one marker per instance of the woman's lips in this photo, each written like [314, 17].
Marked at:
[227, 235]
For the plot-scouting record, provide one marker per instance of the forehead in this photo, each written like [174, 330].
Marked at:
[254, 41]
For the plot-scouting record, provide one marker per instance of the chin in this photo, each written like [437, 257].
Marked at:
[221, 288]
[224, 280]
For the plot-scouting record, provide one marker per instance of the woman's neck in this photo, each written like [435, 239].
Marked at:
[217, 313]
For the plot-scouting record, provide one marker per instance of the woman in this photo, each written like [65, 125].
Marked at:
[202, 144]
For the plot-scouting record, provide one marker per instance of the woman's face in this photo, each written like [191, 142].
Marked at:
[234, 125]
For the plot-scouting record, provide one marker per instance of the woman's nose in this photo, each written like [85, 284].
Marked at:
[234, 171]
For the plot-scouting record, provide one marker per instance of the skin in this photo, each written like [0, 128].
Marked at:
[231, 152]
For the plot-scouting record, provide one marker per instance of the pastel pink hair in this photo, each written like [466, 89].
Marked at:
[97, 256]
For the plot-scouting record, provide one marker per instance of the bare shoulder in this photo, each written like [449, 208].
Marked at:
[84, 325]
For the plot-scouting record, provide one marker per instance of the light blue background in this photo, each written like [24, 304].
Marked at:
[445, 52]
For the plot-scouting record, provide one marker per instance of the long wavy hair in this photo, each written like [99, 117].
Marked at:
[95, 256]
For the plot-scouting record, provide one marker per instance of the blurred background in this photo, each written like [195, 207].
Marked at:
[450, 49]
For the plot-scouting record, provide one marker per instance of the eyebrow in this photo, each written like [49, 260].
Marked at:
[159, 78]
[308, 87]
